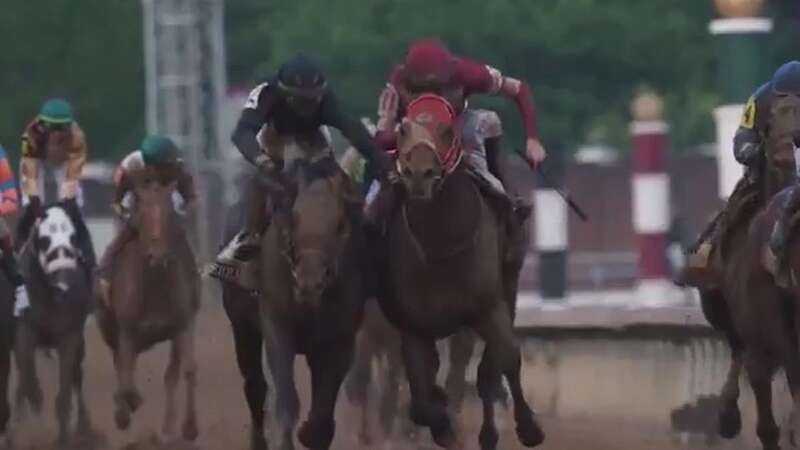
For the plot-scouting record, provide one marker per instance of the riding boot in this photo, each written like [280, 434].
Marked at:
[522, 208]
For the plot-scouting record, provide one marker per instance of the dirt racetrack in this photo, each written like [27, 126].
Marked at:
[224, 421]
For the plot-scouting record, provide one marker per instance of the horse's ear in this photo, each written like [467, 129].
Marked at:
[402, 130]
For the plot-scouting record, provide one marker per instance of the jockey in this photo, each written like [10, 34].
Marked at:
[291, 107]
[8, 260]
[54, 139]
[161, 156]
[748, 148]
[431, 68]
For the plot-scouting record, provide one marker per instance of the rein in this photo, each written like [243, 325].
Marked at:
[458, 249]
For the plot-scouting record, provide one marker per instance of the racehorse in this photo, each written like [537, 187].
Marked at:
[445, 272]
[312, 300]
[61, 297]
[758, 318]
[155, 297]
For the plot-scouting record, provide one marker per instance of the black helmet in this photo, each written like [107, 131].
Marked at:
[302, 77]
[787, 79]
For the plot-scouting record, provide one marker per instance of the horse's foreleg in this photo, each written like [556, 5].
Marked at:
[760, 375]
[428, 401]
[127, 398]
[390, 396]
[84, 421]
[730, 419]
[280, 355]
[186, 346]
[497, 331]
[461, 347]
[489, 379]
[171, 377]
[29, 392]
[249, 346]
[328, 366]
[68, 352]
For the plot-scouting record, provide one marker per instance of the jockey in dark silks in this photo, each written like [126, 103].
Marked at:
[291, 107]
[748, 148]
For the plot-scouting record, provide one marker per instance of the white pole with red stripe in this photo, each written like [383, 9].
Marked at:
[651, 202]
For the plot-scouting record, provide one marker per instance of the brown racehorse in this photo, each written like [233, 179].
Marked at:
[748, 307]
[445, 272]
[155, 297]
[312, 302]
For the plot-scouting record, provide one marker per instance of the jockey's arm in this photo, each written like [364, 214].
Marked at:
[746, 146]
[484, 79]
[354, 131]
[747, 142]
[8, 187]
[255, 114]
[30, 165]
[186, 188]
[122, 185]
[76, 160]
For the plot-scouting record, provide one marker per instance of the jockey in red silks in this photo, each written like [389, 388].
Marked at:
[431, 68]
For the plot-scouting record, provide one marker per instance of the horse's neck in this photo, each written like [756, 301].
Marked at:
[776, 179]
[450, 216]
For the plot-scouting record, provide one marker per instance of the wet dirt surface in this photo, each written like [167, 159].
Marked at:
[224, 420]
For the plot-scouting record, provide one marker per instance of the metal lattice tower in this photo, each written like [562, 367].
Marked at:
[186, 84]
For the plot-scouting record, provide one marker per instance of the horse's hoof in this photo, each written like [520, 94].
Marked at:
[134, 400]
[37, 401]
[122, 418]
[190, 431]
[443, 434]
[529, 432]
[730, 423]
[439, 396]
[316, 434]
[488, 438]
[258, 442]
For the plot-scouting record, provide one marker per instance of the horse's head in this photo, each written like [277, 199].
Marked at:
[55, 244]
[428, 145]
[317, 233]
[154, 217]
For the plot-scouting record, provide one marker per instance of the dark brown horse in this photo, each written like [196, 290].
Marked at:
[757, 316]
[155, 297]
[241, 307]
[312, 303]
[446, 273]
[61, 297]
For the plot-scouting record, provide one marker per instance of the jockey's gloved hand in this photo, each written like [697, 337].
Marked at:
[121, 211]
[267, 165]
